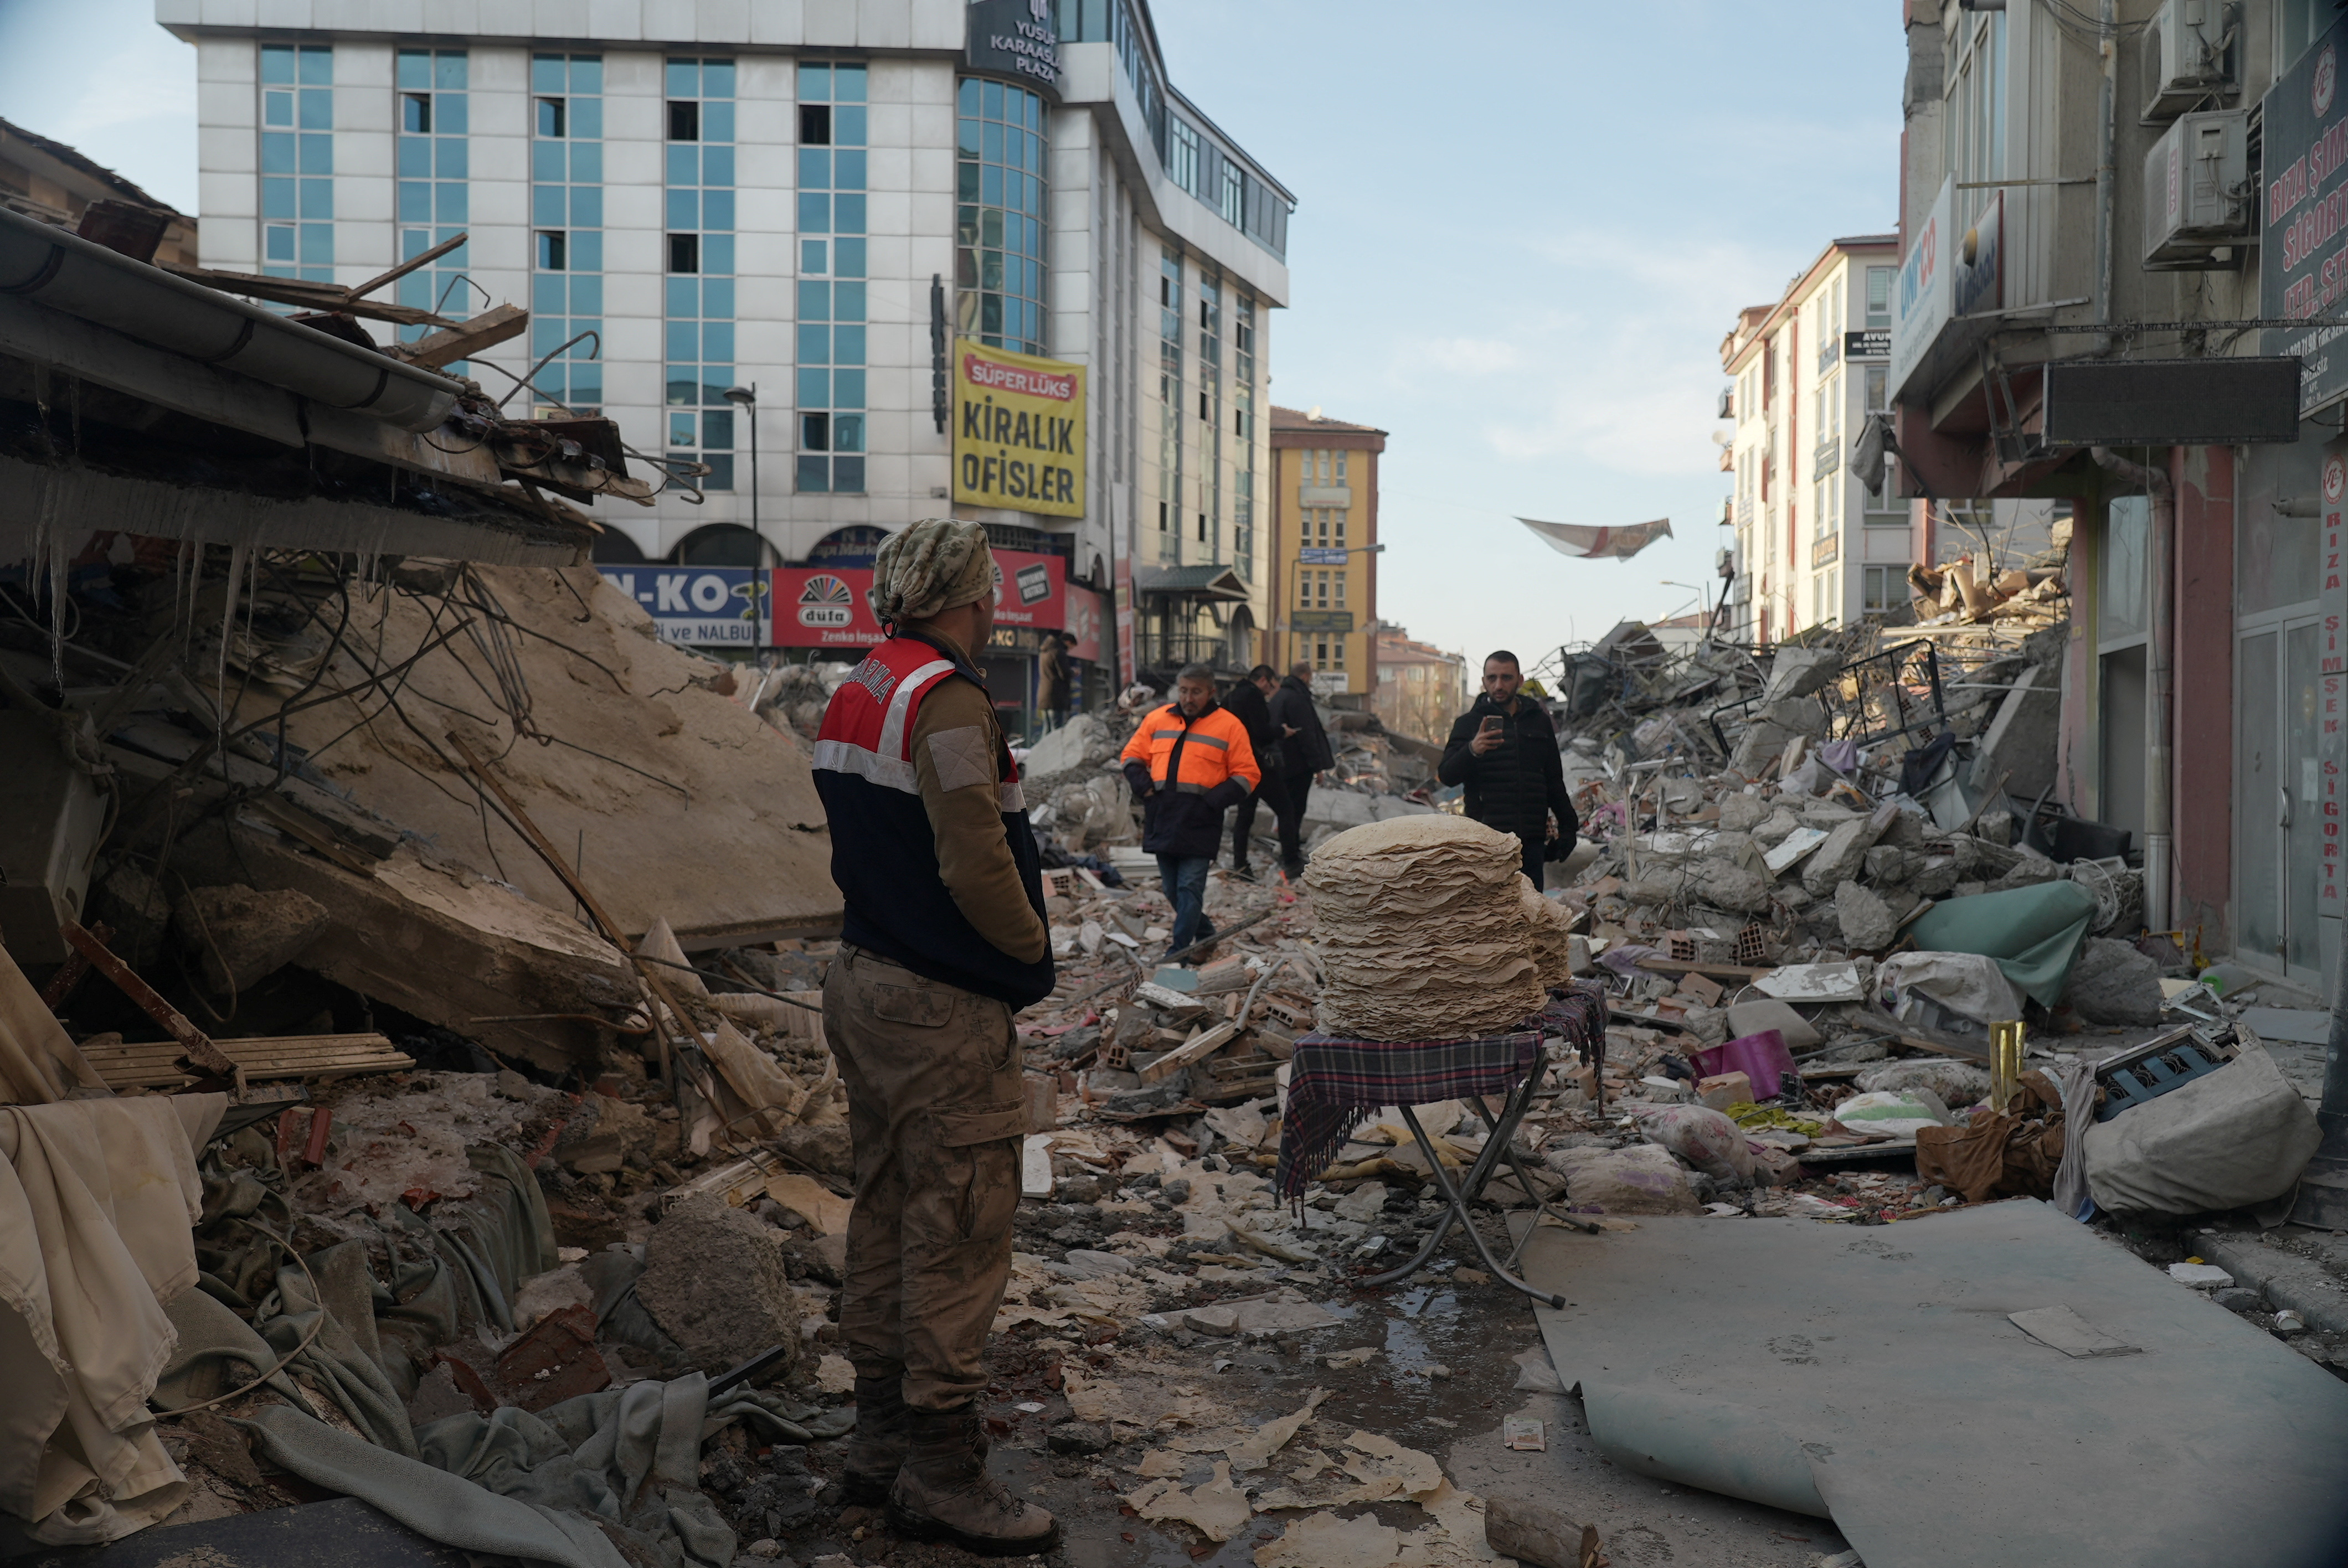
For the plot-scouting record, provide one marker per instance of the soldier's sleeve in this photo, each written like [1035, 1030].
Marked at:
[962, 790]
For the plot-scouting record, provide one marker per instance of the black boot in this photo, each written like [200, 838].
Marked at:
[944, 1492]
[876, 1449]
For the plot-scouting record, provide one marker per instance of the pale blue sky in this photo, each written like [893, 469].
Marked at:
[1523, 228]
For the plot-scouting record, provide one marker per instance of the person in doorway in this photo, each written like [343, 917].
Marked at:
[1188, 763]
[944, 942]
[1504, 750]
[1303, 753]
[1055, 678]
[1248, 702]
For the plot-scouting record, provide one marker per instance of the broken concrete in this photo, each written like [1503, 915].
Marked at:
[1867, 922]
[715, 1282]
[241, 934]
[2112, 983]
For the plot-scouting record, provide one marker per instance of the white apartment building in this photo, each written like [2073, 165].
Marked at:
[806, 200]
[1813, 545]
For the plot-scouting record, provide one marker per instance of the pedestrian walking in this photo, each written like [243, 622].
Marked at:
[1303, 753]
[1190, 762]
[1504, 750]
[1055, 680]
[1249, 704]
[944, 941]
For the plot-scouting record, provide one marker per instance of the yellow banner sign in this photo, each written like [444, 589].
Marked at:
[1019, 431]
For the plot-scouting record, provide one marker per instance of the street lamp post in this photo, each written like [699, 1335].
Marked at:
[746, 399]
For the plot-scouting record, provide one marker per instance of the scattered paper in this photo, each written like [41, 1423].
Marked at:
[1218, 1510]
[835, 1373]
[2063, 1329]
[1356, 1356]
[1325, 1541]
[1524, 1434]
[811, 1200]
[1254, 1452]
[1160, 1464]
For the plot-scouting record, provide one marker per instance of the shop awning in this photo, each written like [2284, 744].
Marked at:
[1216, 583]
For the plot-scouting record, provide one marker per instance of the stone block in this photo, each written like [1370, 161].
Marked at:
[2112, 983]
[1865, 921]
[241, 934]
[715, 1281]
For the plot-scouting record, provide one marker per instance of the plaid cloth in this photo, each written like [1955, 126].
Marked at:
[1338, 1084]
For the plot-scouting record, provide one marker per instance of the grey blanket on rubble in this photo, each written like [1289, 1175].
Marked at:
[538, 1486]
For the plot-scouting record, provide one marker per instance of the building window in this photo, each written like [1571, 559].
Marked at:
[566, 196]
[1886, 588]
[1210, 413]
[433, 108]
[698, 309]
[1169, 396]
[1182, 164]
[1975, 112]
[832, 306]
[1879, 298]
[1244, 432]
[297, 161]
[1000, 185]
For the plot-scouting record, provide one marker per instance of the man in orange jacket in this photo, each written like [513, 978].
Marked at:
[1190, 762]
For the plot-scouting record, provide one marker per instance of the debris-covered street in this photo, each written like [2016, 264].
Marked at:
[586, 985]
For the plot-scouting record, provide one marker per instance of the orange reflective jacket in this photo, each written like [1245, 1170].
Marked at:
[1188, 771]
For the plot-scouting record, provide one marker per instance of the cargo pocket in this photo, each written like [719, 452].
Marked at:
[917, 1005]
[985, 1144]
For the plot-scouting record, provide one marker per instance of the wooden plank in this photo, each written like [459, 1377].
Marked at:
[1198, 1048]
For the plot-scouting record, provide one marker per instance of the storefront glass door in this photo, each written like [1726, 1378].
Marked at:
[2278, 798]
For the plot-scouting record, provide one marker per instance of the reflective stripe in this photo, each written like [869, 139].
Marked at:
[891, 773]
[1192, 788]
[1200, 739]
[893, 728]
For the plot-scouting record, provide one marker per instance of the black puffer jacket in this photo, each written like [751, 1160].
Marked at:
[1246, 705]
[1306, 753]
[1515, 788]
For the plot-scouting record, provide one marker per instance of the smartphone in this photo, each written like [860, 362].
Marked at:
[1490, 725]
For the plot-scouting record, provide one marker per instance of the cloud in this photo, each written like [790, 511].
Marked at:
[1460, 356]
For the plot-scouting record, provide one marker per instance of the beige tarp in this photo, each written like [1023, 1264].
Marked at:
[97, 1199]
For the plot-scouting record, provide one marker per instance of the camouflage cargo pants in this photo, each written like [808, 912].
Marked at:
[936, 1113]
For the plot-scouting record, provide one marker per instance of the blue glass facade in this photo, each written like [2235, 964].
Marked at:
[698, 308]
[566, 214]
[297, 161]
[831, 282]
[433, 204]
[999, 189]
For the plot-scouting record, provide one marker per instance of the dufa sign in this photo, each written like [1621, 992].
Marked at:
[1018, 431]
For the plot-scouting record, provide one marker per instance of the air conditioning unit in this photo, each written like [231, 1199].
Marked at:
[1724, 561]
[2199, 209]
[2192, 56]
[1728, 402]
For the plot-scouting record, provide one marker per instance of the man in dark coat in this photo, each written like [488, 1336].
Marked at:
[1304, 751]
[1504, 750]
[1246, 703]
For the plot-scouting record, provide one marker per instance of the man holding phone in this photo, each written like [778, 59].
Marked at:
[1504, 750]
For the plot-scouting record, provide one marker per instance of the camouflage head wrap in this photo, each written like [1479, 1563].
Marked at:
[933, 565]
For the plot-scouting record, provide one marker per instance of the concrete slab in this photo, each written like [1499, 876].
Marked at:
[1883, 1358]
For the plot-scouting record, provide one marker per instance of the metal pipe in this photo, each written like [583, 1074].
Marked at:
[2160, 547]
[2107, 160]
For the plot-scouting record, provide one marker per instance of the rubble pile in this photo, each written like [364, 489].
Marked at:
[593, 1191]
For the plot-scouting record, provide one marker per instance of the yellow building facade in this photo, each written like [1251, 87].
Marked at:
[1324, 565]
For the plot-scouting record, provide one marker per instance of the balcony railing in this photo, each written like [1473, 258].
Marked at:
[1172, 650]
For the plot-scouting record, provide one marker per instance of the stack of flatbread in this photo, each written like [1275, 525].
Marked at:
[1551, 932]
[1424, 934]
